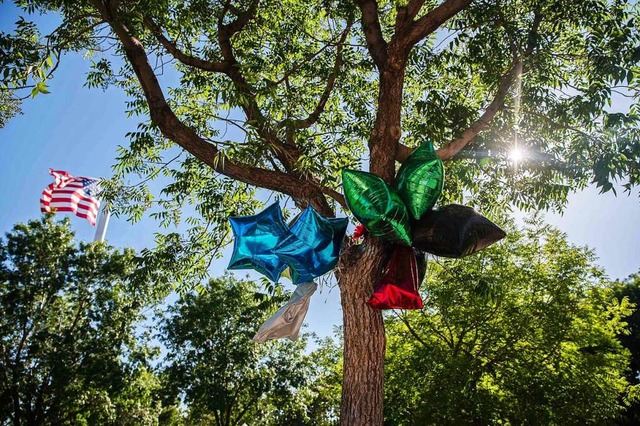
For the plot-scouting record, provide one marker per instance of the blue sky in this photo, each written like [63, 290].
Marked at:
[78, 129]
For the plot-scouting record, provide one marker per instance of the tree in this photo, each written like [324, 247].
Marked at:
[525, 335]
[69, 349]
[227, 379]
[9, 107]
[283, 95]
[629, 290]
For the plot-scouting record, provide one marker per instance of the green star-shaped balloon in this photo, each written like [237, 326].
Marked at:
[377, 206]
[420, 179]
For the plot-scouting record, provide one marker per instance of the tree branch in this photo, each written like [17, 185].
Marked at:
[225, 32]
[338, 197]
[448, 151]
[230, 67]
[315, 115]
[171, 127]
[455, 146]
[451, 149]
[406, 14]
[287, 154]
[373, 32]
[410, 329]
[179, 54]
[242, 18]
[432, 21]
[242, 413]
[532, 38]
[413, 7]
[298, 66]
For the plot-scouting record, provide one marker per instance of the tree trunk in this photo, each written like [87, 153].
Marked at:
[364, 338]
[17, 411]
[361, 267]
[387, 130]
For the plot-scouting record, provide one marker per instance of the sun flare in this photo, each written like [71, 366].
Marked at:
[516, 155]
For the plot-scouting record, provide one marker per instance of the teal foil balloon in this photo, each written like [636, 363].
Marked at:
[420, 180]
[377, 206]
[255, 238]
[313, 246]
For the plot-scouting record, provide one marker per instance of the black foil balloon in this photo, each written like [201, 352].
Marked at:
[454, 231]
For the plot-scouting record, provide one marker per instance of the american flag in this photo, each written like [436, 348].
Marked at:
[71, 194]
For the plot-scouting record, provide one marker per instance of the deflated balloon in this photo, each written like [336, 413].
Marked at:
[398, 287]
[377, 206]
[287, 321]
[255, 238]
[420, 180]
[455, 231]
[312, 246]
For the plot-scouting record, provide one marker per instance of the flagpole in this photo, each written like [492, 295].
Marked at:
[103, 223]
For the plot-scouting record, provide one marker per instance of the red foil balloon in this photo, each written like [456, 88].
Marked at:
[398, 288]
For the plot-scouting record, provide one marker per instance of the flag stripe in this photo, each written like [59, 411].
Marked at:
[71, 194]
[74, 198]
[64, 205]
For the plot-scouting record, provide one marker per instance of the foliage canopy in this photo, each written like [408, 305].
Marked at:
[292, 88]
[227, 379]
[283, 95]
[527, 333]
[70, 353]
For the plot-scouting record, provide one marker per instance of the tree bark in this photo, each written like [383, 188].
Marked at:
[364, 336]
[361, 266]
[387, 130]
[17, 410]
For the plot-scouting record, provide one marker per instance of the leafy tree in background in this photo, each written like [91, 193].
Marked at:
[9, 107]
[282, 95]
[69, 351]
[526, 334]
[227, 379]
[629, 289]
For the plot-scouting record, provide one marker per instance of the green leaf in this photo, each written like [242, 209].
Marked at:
[41, 87]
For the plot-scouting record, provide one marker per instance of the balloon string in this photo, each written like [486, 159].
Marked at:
[414, 270]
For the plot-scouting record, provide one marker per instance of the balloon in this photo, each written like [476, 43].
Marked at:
[377, 206]
[255, 238]
[312, 246]
[287, 321]
[455, 231]
[398, 288]
[287, 273]
[420, 180]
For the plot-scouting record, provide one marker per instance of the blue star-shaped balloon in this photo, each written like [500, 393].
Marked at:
[255, 238]
[312, 247]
